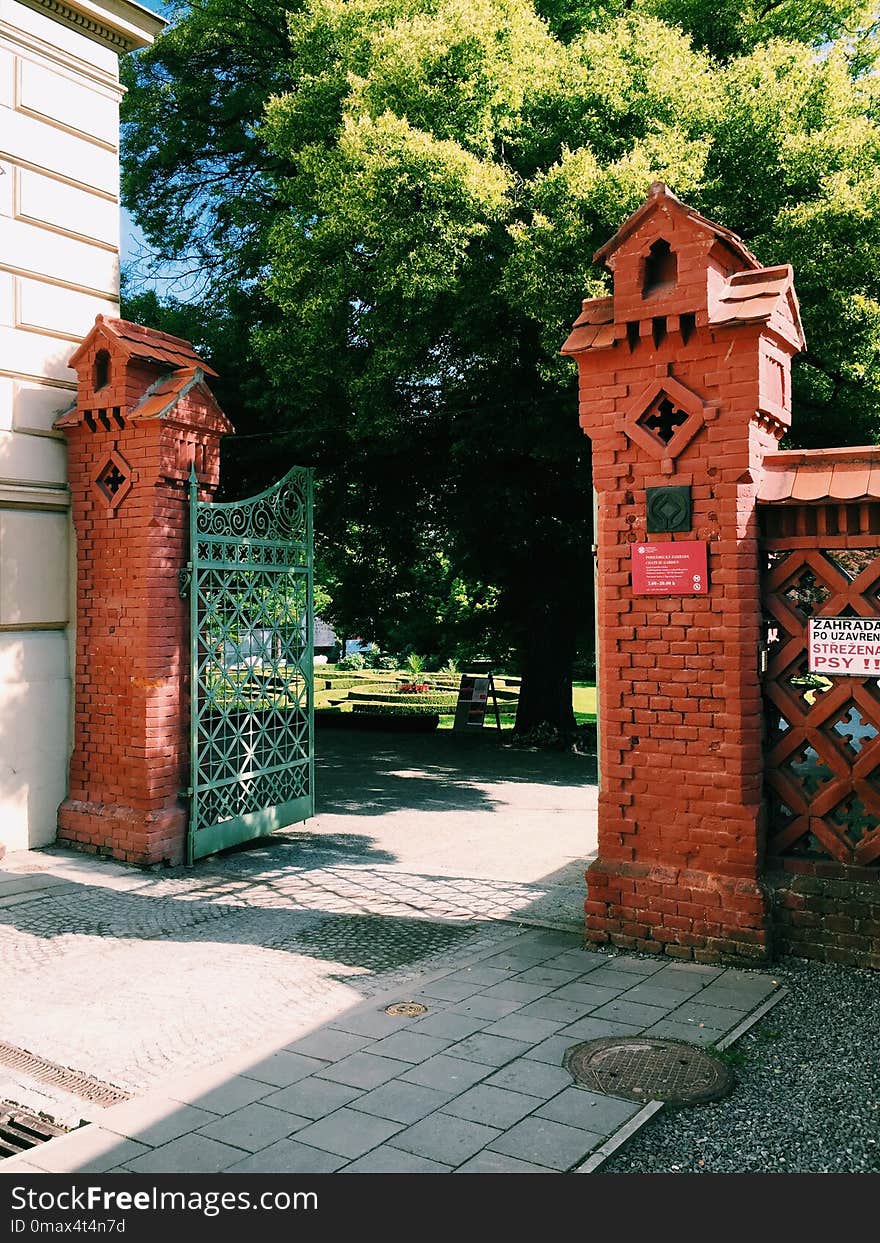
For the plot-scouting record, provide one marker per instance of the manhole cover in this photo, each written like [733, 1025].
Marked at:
[644, 1069]
[407, 1009]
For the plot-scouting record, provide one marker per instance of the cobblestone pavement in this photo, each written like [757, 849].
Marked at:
[473, 1083]
[417, 855]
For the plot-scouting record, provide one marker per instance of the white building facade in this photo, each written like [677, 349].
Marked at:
[59, 268]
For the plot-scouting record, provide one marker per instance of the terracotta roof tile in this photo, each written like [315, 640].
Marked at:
[752, 308]
[596, 311]
[580, 339]
[800, 475]
[751, 296]
[593, 328]
[849, 481]
[760, 281]
[148, 343]
[661, 193]
[604, 337]
[810, 484]
[161, 397]
[776, 484]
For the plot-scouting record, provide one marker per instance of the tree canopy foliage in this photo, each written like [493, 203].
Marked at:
[393, 205]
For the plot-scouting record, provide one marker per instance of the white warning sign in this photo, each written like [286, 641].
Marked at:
[844, 646]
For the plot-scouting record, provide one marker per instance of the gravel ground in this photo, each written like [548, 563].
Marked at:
[807, 1098]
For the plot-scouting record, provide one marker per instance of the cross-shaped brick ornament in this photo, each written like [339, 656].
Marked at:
[113, 480]
[665, 420]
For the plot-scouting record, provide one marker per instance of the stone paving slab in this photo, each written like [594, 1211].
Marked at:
[423, 851]
[487, 1100]
[388, 1160]
[13, 884]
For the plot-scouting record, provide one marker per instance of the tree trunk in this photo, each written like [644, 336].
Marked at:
[547, 658]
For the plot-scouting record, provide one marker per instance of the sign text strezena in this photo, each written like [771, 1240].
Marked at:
[845, 646]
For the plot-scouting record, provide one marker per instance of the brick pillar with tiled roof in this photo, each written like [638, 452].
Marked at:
[144, 414]
[684, 382]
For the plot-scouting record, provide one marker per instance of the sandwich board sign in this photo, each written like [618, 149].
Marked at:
[473, 700]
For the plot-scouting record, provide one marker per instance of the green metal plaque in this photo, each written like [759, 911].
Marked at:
[251, 624]
[669, 509]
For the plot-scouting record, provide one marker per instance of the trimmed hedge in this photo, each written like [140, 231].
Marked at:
[420, 722]
[438, 700]
[382, 709]
[347, 683]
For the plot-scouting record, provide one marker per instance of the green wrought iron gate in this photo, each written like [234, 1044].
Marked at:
[251, 725]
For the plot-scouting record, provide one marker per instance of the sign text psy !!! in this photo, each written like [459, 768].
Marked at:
[844, 646]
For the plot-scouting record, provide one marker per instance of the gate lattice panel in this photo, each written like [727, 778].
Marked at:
[822, 752]
[251, 629]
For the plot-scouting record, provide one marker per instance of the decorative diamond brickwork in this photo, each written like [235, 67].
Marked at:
[113, 481]
[664, 418]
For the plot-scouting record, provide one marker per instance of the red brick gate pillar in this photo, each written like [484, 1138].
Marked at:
[144, 414]
[684, 385]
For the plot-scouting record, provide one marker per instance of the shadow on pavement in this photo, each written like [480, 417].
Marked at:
[436, 772]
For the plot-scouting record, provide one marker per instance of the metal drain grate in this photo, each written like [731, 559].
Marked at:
[20, 1131]
[641, 1068]
[72, 1081]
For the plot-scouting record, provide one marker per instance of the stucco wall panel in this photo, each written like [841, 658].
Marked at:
[59, 99]
[33, 568]
[34, 732]
[33, 143]
[32, 459]
[46, 201]
[31, 355]
[42, 307]
[34, 406]
[64, 261]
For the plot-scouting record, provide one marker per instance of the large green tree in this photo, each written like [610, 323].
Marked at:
[393, 205]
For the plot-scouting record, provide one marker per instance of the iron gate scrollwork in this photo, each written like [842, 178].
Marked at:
[251, 625]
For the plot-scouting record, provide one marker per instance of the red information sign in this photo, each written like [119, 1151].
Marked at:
[670, 569]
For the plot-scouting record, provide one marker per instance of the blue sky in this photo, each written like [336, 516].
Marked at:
[131, 236]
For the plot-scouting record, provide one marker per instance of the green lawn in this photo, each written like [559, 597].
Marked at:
[584, 702]
[583, 698]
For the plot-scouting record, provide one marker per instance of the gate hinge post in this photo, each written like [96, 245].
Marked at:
[184, 575]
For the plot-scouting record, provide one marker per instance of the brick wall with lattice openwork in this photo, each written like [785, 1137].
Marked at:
[819, 516]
